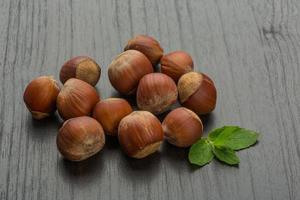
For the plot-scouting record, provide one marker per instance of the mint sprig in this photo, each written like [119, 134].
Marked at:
[226, 155]
[201, 152]
[222, 144]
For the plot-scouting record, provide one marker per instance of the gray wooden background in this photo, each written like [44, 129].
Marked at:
[251, 48]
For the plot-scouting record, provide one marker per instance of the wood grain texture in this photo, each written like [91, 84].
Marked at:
[251, 48]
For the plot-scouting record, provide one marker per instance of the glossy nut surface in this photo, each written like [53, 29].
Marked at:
[109, 113]
[182, 127]
[81, 67]
[156, 93]
[140, 134]
[176, 63]
[127, 69]
[40, 96]
[80, 138]
[197, 92]
[76, 98]
[148, 46]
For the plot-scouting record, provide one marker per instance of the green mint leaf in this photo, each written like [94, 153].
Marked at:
[226, 155]
[236, 138]
[215, 133]
[201, 152]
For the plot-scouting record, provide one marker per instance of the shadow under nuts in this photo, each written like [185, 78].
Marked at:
[140, 134]
[197, 92]
[127, 69]
[156, 93]
[76, 98]
[40, 96]
[109, 113]
[182, 127]
[148, 46]
[81, 67]
[80, 138]
[175, 64]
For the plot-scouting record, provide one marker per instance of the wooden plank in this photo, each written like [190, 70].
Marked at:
[250, 48]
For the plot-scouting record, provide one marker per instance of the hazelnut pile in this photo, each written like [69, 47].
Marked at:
[140, 133]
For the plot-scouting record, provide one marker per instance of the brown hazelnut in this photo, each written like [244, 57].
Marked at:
[176, 63]
[197, 92]
[127, 69]
[80, 138]
[81, 67]
[109, 113]
[76, 98]
[40, 96]
[140, 134]
[182, 127]
[148, 46]
[156, 93]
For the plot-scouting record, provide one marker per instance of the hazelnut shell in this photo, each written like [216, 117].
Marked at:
[140, 134]
[148, 46]
[182, 127]
[176, 63]
[80, 138]
[109, 113]
[40, 96]
[197, 92]
[156, 93]
[127, 69]
[76, 98]
[81, 67]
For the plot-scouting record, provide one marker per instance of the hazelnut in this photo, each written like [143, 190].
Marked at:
[80, 138]
[127, 69]
[156, 93]
[140, 134]
[148, 46]
[109, 113]
[76, 98]
[81, 67]
[176, 63]
[40, 96]
[182, 127]
[197, 92]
